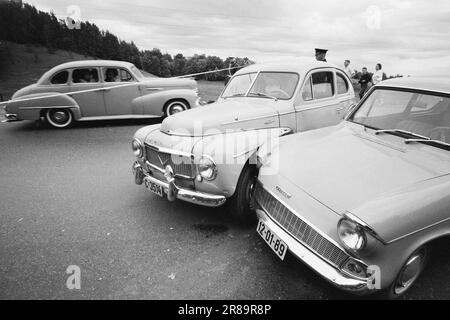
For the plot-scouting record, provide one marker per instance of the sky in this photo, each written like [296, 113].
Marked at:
[409, 37]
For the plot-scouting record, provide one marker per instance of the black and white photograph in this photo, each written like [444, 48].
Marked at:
[239, 152]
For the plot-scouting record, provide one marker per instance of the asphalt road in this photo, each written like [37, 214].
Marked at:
[67, 197]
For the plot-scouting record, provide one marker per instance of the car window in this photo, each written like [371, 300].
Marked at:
[280, 85]
[60, 77]
[85, 75]
[239, 85]
[322, 83]
[341, 83]
[125, 76]
[307, 93]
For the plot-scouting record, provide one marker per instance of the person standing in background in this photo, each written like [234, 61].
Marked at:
[347, 69]
[378, 75]
[365, 81]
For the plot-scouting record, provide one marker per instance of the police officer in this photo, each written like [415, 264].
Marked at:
[321, 54]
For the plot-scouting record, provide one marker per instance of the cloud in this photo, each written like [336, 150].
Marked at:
[407, 37]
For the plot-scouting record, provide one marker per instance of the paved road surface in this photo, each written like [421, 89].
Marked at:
[67, 197]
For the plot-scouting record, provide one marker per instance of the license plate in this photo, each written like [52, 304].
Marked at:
[153, 187]
[274, 242]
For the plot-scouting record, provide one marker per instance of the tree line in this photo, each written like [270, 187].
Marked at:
[23, 23]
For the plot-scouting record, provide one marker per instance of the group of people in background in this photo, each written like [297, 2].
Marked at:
[366, 79]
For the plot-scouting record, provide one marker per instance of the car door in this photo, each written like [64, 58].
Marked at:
[316, 105]
[86, 90]
[120, 89]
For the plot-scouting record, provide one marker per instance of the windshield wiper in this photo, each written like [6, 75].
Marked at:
[409, 133]
[260, 94]
[429, 141]
[235, 95]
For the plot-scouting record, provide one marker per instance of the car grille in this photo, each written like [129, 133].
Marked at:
[181, 165]
[298, 228]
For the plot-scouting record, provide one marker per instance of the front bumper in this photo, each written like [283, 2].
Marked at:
[173, 192]
[330, 273]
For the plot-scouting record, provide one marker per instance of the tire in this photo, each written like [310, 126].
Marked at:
[175, 106]
[416, 262]
[240, 204]
[59, 118]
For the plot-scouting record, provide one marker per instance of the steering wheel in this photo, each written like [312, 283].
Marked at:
[441, 133]
[279, 93]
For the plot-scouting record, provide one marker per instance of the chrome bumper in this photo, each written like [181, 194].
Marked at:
[10, 117]
[173, 192]
[327, 271]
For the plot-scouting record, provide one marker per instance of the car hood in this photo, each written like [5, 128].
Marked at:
[344, 167]
[232, 114]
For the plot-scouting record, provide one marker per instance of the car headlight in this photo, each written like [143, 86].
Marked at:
[352, 235]
[207, 168]
[137, 147]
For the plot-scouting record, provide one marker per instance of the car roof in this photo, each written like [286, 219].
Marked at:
[91, 63]
[441, 85]
[300, 66]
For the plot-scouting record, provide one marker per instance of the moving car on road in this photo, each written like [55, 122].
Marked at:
[204, 155]
[100, 90]
[363, 204]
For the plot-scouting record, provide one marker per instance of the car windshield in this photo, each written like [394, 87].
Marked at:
[280, 85]
[239, 85]
[415, 116]
[268, 85]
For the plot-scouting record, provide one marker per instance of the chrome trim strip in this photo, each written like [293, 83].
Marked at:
[170, 151]
[418, 230]
[249, 119]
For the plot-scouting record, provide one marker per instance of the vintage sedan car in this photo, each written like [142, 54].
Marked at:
[362, 201]
[204, 155]
[100, 90]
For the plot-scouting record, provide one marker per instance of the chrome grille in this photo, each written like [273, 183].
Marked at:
[298, 228]
[181, 165]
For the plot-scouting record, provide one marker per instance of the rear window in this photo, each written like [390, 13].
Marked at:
[60, 78]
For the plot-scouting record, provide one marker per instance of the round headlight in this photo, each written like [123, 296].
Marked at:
[138, 150]
[207, 168]
[352, 235]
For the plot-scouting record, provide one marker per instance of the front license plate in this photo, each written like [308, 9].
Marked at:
[153, 187]
[274, 242]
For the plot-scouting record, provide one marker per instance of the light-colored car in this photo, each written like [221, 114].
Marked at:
[204, 155]
[100, 90]
[362, 201]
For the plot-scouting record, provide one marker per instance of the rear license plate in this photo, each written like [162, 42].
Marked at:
[274, 242]
[153, 187]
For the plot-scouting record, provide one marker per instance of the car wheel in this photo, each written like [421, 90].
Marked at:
[408, 274]
[175, 106]
[59, 118]
[240, 204]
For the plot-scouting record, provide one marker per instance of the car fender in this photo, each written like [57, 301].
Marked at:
[231, 151]
[153, 100]
[29, 107]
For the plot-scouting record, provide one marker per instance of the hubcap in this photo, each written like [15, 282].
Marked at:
[60, 116]
[176, 108]
[410, 272]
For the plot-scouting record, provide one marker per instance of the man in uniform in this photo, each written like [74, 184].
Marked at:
[321, 54]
